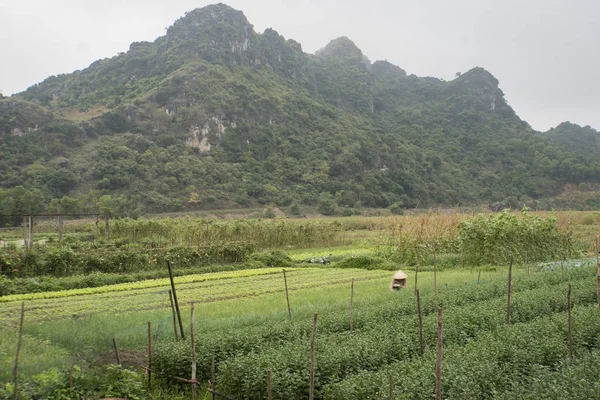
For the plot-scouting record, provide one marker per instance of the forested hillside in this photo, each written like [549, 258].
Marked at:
[216, 115]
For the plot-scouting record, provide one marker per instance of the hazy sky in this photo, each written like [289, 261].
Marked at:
[545, 53]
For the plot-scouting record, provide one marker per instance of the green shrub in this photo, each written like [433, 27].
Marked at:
[397, 208]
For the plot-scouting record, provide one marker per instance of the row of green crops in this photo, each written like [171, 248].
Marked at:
[341, 355]
[383, 333]
[264, 234]
[65, 261]
[502, 360]
[149, 295]
[502, 238]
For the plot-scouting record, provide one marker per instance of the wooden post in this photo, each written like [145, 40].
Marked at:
[149, 355]
[435, 291]
[25, 233]
[71, 371]
[478, 276]
[570, 326]
[416, 277]
[31, 231]
[194, 384]
[106, 229]
[311, 393]
[175, 299]
[213, 381]
[351, 305]
[509, 293]
[421, 343]
[391, 396]
[287, 296]
[173, 314]
[438, 364]
[16, 368]
[269, 390]
[60, 223]
[117, 352]
[598, 274]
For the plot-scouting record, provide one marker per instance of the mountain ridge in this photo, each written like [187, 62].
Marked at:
[241, 118]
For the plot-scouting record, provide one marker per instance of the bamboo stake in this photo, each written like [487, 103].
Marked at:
[311, 392]
[287, 296]
[31, 232]
[351, 305]
[106, 229]
[213, 382]
[562, 269]
[116, 351]
[435, 291]
[416, 277]
[391, 395]
[149, 355]
[570, 325]
[25, 231]
[478, 276]
[438, 364]
[60, 223]
[173, 313]
[421, 344]
[269, 390]
[71, 371]
[16, 368]
[598, 274]
[194, 384]
[175, 299]
[509, 293]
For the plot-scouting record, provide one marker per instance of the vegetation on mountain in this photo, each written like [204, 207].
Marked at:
[215, 115]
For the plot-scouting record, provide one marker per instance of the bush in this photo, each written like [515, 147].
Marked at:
[501, 238]
[273, 259]
[397, 208]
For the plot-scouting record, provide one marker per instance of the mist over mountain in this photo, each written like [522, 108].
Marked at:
[216, 115]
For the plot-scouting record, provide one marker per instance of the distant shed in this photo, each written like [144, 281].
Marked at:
[398, 280]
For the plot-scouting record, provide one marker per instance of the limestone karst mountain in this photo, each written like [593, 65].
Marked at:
[216, 112]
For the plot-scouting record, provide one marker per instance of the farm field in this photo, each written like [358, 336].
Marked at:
[242, 321]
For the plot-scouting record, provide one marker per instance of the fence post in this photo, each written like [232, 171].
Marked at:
[311, 392]
[509, 293]
[438, 365]
[16, 368]
[60, 223]
[31, 231]
[570, 325]
[287, 296]
[416, 277]
[213, 380]
[598, 274]
[71, 371]
[173, 313]
[149, 354]
[421, 344]
[435, 291]
[351, 305]
[106, 229]
[117, 352]
[175, 299]
[25, 232]
[269, 390]
[194, 386]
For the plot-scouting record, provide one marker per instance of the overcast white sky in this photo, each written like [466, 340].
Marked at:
[545, 53]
